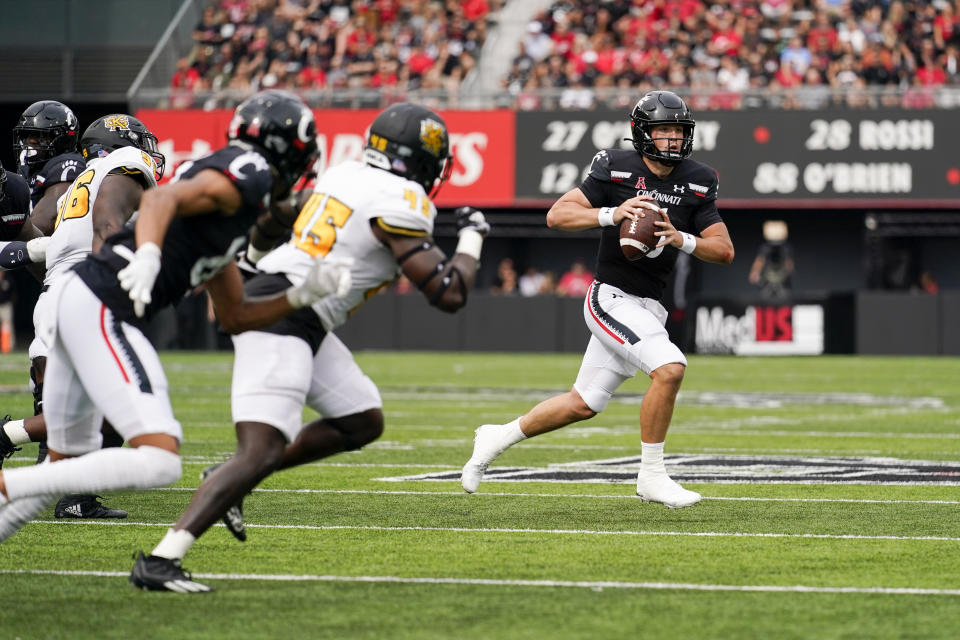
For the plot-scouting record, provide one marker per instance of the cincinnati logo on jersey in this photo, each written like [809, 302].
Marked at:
[432, 136]
[116, 123]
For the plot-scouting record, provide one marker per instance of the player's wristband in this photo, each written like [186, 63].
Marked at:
[689, 242]
[471, 242]
[605, 216]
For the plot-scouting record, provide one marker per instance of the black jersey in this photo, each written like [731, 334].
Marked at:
[196, 248]
[62, 168]
[15, 206]
[689, 194]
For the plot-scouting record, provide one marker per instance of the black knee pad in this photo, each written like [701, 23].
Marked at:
[359, 430]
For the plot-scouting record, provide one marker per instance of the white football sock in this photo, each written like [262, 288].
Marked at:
[15, 431]
[512, 433]
[113, 469]
[651, 457]
[19, 512]
[175, 544]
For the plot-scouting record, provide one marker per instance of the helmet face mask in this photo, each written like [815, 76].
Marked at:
[3, 183]
[661, 108]
[411, 141]
[115, 131]
[282, 128]
[46, 129]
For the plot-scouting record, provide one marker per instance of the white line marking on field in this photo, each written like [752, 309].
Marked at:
[579, 532]
[597, 585]
[821, 434]
[570, 495]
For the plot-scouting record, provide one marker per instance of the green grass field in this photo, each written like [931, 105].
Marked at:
[383, 543]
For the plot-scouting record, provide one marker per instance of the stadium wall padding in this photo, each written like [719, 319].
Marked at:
[878, 323]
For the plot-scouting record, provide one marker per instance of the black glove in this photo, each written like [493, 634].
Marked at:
[470, 218]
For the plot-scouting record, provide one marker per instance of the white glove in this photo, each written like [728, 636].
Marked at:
[327, 276]
[37, 249]
[138, 277]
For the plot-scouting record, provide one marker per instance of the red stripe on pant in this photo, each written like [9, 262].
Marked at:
[598, 320]
[106, 338]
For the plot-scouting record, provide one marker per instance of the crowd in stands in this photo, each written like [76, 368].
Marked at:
[248, 45]
[804, 51]
[586, 53]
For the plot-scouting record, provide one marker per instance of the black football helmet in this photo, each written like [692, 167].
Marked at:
[46, 129]
[661, 107]
[118, 130]
[281, 127]
[411, 141]
[3, 182]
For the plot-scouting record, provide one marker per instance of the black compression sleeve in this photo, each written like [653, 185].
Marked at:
[14, 255]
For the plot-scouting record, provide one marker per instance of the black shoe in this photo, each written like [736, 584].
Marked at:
[233, 518]
[81, 506]
[153, 573]
[7, 448]
[42, 451]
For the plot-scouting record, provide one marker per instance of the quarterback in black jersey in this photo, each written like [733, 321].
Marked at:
[101, 365]
[622, 308]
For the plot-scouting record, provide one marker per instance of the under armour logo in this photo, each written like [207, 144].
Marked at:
[678, 188]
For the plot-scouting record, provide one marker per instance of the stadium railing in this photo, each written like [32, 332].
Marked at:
[700, 99]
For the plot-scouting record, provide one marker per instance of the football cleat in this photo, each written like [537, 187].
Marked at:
[7, 448]
[153, 573]
[658, 487]
[84, 506]
[487, 445]
[233, 518]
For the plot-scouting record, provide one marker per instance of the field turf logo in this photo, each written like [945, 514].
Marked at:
[728, 469]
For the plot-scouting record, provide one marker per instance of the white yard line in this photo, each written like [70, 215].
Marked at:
[570, 495]
[578, 532]
[596, 585]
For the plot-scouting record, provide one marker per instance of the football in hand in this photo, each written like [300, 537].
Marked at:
[636, 236]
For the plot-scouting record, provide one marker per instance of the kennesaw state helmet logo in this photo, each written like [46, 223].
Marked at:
[432, 136]
[116, 123]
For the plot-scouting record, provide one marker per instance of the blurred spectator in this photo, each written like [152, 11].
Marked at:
[928, 283]
[505, 282]
[772, 269]
[576, 281]
[404, 286]
[531, 282]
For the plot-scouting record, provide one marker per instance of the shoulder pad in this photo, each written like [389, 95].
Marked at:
[248, 170]
[600, 166]
[62, 168]
[703, 180]
[134, 162]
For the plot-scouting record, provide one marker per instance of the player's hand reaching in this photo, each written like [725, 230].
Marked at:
[473, 219]
[328, 276]
[139, 276]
